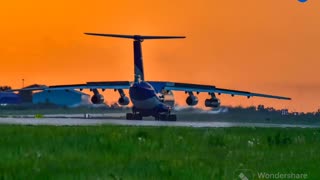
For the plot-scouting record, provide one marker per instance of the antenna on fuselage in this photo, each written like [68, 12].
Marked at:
[137, 50]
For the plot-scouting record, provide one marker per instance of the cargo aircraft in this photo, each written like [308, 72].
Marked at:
[152, 98]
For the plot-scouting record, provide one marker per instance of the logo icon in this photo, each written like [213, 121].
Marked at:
[243, 177]
[302, 1]
[243, 174]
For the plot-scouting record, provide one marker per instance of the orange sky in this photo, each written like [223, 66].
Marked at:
[266, 46]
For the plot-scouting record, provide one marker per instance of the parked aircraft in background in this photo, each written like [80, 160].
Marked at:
[153, 98]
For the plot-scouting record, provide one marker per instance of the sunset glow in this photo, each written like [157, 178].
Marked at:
[265, 46]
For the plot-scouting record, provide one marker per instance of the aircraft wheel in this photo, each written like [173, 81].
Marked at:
[129, 116]
[172, 117]
[163, 117]
[137, 117]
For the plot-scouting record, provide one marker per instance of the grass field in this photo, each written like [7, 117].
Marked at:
[115, 152]
[120, 152]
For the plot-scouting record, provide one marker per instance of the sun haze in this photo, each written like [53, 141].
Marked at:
[265, 46]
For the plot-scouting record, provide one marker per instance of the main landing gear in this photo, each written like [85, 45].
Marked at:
[137, 115]
[166, 117]
[133, 116]
[159, 117]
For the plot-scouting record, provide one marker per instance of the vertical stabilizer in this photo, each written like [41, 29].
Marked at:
[137, 50]
[138, 63]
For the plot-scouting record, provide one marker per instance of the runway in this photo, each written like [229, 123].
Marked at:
[76, 120]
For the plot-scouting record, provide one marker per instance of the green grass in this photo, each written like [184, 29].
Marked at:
[120, 152]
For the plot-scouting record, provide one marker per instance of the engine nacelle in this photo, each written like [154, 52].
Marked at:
[97, 99]
[192, 100]
[213, 102]
[123, 101]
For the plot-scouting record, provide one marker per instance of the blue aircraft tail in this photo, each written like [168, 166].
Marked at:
[137, 49]
[138, 62]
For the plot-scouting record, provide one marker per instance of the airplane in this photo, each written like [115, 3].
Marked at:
[152, 98]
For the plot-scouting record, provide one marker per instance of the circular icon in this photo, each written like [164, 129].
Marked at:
[302, 1]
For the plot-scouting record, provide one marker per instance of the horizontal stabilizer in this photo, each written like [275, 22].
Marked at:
[135, 37]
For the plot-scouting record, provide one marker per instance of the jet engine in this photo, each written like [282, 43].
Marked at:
[123, 101]
[192, 100]
[213, 102]
[97, 99]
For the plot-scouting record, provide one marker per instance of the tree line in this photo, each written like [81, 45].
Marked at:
[5, 88]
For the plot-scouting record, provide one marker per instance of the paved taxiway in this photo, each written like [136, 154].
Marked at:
[78, 121]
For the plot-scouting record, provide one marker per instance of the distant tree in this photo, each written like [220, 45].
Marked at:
[5, 88]
[251, 108]
[261, 107]
[237, 109]
[270, 109]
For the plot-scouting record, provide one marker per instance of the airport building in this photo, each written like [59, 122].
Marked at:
[26, 95]
[68, 98]
[9, 98]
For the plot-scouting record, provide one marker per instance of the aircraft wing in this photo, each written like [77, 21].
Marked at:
[88, 85]
[209, 89]
[96, 85]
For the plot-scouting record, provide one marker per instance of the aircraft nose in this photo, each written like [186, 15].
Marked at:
[139, 93]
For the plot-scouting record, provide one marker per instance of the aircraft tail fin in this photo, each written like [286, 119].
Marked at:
[137, 49]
